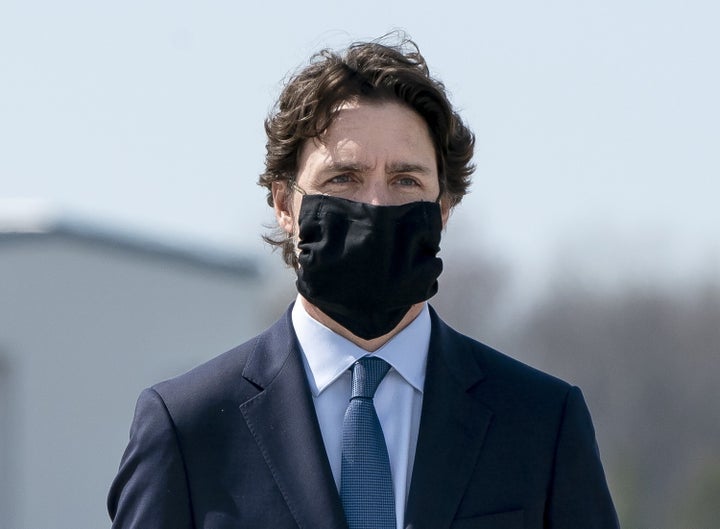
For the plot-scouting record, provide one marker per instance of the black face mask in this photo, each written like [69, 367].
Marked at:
[364, 265]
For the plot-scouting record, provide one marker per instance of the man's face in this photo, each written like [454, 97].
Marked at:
[377, 153]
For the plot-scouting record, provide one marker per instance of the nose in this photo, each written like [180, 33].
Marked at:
[375, 192]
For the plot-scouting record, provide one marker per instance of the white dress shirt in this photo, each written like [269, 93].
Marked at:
[398, 400]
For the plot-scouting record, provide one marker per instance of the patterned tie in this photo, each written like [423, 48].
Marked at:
[365, 481]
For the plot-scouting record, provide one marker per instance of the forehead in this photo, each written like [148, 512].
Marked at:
[373, 131]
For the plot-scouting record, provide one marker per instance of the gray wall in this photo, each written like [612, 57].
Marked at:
[84, 327]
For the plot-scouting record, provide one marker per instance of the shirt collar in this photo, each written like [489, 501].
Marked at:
[328, 355]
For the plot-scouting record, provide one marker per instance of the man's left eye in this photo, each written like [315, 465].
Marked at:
[407, 181]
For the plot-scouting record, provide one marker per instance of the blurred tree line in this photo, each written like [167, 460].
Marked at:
[647, 357]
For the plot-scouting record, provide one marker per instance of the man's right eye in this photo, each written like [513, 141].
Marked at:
[344, 178]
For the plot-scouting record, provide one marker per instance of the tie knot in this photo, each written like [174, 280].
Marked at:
[367, 373]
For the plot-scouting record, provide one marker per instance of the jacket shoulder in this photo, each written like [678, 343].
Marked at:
[504, 376]
[224, 380]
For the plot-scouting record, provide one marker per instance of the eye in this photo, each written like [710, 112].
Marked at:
[343, 178]
[407, 181]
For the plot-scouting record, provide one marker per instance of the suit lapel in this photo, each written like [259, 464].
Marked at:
[283, 422]
[452, 428]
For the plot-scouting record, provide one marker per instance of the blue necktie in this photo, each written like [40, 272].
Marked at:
[365, 480]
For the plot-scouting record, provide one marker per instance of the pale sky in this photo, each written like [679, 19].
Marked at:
[597, 123]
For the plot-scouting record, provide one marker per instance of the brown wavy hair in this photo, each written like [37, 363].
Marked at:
[371, 71]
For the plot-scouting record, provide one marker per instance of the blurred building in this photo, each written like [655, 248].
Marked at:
[88, 318]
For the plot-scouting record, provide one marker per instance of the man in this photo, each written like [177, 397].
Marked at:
[365, 160]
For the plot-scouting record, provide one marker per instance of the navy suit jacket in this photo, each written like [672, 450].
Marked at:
[235, 443]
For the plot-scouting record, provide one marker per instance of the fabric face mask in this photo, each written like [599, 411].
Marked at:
[365, 265]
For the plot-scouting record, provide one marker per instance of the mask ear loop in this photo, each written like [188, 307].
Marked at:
[304, 193]
[297, 188]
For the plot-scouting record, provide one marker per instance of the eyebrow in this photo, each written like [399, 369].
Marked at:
[403, 167]
[393, 168]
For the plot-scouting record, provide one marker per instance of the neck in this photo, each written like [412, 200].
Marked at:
[368, 345]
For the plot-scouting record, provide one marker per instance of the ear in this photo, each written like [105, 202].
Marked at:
[282, 204]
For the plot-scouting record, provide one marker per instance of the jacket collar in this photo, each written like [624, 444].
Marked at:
[452, 428]
[283, 422]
